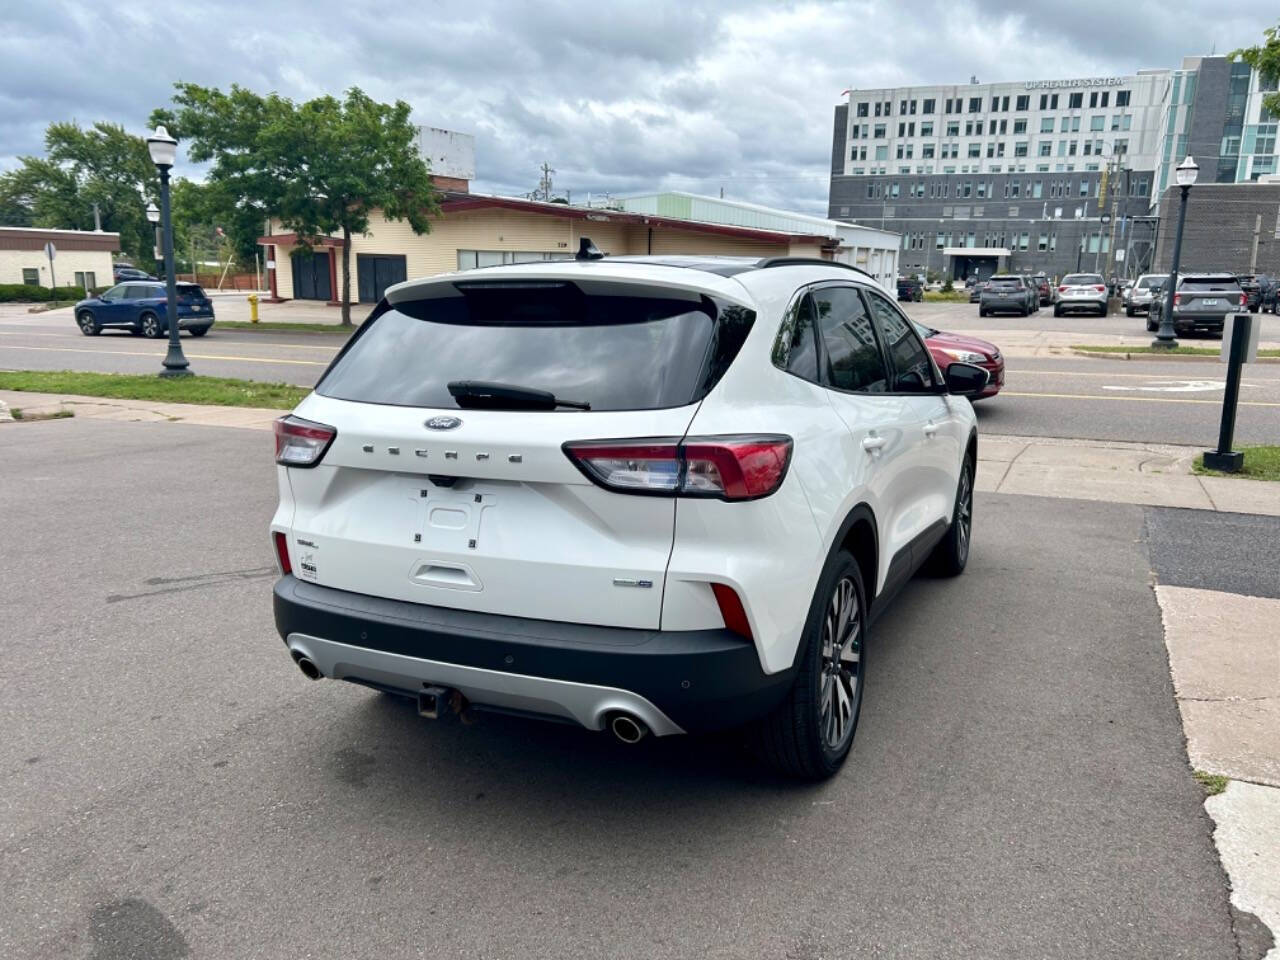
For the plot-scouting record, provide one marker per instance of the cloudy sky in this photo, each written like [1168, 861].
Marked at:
[618, 97]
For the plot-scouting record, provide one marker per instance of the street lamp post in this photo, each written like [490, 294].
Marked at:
[1186, 175]
[153, 218]
[163, 150]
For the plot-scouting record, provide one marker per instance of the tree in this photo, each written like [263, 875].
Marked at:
[320, 167]
[1265, 58]
[103, 164]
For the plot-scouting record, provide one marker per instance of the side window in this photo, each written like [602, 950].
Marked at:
[853, 358]
[913, 370]
[796, 349]
[134, 291]
[115, 293]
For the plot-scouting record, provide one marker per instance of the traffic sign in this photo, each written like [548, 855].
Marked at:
[50, 250]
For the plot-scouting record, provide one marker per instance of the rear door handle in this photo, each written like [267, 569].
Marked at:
[871, 444]
[930, 429]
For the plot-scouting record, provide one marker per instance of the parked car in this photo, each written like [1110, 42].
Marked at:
[1081, 291]
[1252, 287]
[1270, 292]
[675, 502]
[1139, 296]
[949, 348]
[142, 309]
[1033, 292]
[1201, 302]
[975, 289]
[1043, 287]
[1006, 292]
[124, 271]
[910, 288]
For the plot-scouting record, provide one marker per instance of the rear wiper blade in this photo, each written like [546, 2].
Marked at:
[481, 394]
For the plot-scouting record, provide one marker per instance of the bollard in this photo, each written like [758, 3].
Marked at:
[1241, 346]
[253, 308]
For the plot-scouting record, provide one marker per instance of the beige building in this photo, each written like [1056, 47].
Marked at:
[475, 230]
[82, 257]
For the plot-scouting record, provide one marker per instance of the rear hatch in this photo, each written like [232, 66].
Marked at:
[1208, 295]
[1082, 286]
[441, 491]
[1001, 289]
[192, 300]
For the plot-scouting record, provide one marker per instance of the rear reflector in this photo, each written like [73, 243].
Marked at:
[723, 467]
[282, 552]
[735, 617]
[301, 443]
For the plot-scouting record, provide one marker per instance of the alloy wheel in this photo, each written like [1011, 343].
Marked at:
[964, 513]
[841, 677]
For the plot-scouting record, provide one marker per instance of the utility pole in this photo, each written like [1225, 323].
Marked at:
[1253, 254]
[544, 185]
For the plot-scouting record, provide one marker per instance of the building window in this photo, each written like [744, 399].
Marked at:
[1046, 148]
[878, 109]
[893, 190]
[31, 276]
[1120, 147]
[926, 129]
[1020, 148]
[1019, 126]
[975, 150]
[862, 109]
[1075, 101]
[1014, 187]
[929, 106]
[926, 151]
[1122, 98]
[1097, 123]
[1024, 240]
[879, 131]
[953, 128]
[975, 104]
[1084, 186]
[1022, 103]
[1046, 124]
[882, 152]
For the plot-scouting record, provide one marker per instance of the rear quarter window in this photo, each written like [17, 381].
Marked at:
[627, 352]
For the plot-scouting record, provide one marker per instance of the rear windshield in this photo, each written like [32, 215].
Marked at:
[1209, 283]
[1148, 282]
[189, 290]
[1082, 279]
[1005, 283]
[612, 352]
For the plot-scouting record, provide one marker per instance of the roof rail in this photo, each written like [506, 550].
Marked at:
[808, 262]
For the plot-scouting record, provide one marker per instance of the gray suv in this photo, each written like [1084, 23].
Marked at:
[1140, 296]
[1006, 292]
[1201, 303]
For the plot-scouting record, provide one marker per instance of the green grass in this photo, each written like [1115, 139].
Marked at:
[1213, 783]
[219, 391]
[1260, 463]
[937, 296]
[276, 327]
[1188, 351]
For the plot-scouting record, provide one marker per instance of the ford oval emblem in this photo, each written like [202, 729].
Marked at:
[442, 423]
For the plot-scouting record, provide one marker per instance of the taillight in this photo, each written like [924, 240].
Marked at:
[1100, 288]
[301, 443]
[731, 610]
[724, 467]
[282, 551]
[1062, 289]
[1177, 299]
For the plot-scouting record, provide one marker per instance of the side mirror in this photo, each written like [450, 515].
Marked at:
[965, 379]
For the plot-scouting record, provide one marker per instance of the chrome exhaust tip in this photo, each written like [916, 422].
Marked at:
[627, 728]
[307, 666]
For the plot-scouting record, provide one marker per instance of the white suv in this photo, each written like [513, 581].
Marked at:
[644, 494]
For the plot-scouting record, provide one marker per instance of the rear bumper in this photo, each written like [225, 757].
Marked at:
[1211, 323]
[1082, 303]
[677, 681]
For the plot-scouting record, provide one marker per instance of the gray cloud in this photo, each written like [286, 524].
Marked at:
[618, 97]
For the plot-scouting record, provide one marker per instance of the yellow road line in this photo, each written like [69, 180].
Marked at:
[1092, 396]
[194, 356]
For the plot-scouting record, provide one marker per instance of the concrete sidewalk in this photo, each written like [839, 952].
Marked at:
[42, 405]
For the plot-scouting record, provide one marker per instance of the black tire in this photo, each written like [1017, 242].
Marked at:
[796, 738]
[951, 554]
[88, 325]
[1129, 312]
[1152, 326]
[150, 326]
[1057, 310]
[197, 331]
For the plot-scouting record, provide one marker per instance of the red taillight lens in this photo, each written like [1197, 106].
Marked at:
[1177, 299]
[726, 467]
[1100, 288]
[301, 443]
[735, 617]
[1062, 289]
[282, 551]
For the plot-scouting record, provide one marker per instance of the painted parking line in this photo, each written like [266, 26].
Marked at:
[1130, 399]
[196, 356]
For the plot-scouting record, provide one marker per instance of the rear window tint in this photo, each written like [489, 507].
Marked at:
[1001, 283]
[613, 352]
[1147, 282]
[1082, 279]
[189, 290]
[1209, 283]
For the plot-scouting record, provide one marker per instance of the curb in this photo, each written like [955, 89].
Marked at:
[1179, 357]
[5, 415]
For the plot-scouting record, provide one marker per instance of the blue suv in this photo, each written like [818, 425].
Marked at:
[140, 308]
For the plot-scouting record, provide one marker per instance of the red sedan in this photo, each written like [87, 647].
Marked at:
[947, 348]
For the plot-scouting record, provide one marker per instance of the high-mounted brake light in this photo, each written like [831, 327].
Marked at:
[723, 467]
[301, 443]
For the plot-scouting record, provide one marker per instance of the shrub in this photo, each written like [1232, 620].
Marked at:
[28, 293]
[948, 287]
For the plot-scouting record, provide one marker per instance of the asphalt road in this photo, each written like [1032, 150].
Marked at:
[172, 786]
[1158, 402]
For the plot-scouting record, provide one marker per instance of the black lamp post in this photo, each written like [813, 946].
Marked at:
[153, 218]
[163, 149]
[1186, 174]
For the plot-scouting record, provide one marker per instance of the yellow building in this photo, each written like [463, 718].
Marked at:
[81, 258]
[476, 230]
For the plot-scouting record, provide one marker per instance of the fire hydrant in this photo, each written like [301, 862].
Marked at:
[253, 308]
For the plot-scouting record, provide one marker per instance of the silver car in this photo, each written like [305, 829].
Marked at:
[1081, 291]
[1141, 293]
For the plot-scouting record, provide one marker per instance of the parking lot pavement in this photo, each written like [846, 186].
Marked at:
[172, 784]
